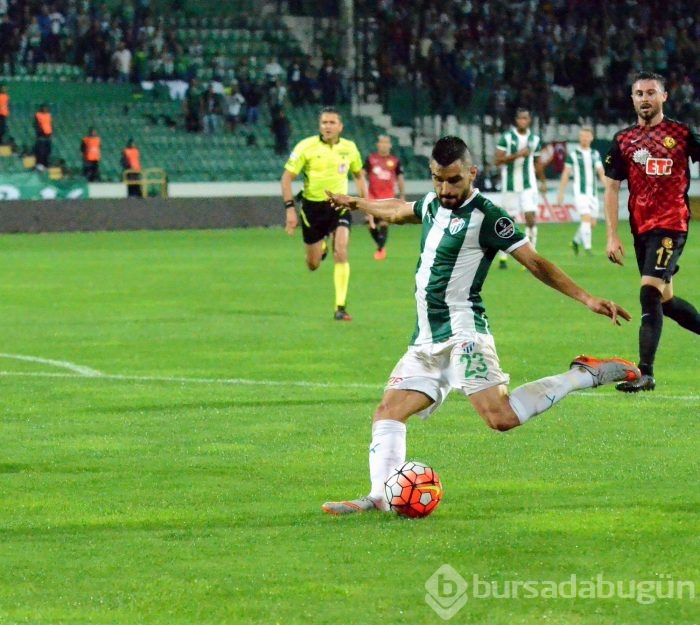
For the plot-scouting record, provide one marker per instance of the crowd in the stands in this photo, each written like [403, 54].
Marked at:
[535, 53]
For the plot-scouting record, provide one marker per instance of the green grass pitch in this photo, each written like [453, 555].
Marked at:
[177, 405]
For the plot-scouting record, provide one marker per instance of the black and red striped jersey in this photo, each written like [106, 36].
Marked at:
[382, 172]
[655, 163]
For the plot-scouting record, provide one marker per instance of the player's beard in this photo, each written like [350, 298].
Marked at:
[647, 114]
[452, 201]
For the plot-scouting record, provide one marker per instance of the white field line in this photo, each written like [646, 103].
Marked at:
[274, 383]
[186, 380]
[61, 364]
[79, 371]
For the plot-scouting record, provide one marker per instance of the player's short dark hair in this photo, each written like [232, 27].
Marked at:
[521, 109]
[644, 75]
[332, 110]
[449, 149]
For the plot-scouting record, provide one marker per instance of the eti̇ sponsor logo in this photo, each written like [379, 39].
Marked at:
[381, 173]
[658, 166]
[504, 227]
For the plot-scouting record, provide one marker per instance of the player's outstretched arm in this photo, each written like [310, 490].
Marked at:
[392, 211]
[547, 272]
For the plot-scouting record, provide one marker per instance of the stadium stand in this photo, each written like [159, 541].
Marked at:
[459, 69]
[155, 122]
[212, 42]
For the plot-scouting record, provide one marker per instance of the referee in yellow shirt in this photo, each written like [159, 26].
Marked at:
[326, 160]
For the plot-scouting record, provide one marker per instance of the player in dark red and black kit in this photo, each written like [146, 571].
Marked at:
[653, 157]
[384, 174]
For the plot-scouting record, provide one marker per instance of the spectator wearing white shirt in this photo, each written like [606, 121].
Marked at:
[234, 107]
[273, 70]
[121, 62]
[271, 73]
[277, 97]
[53, 40]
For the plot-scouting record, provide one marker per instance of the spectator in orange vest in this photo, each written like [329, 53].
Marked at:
[4, 112]
[90, 147]
[131, 162]
[43, 124]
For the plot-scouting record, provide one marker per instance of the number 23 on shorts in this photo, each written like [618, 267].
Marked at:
[474, 365]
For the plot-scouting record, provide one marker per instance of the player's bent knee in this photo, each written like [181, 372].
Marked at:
[399, 405]
[502, 425]
[383, 411]
[340, 256]
[493, 407]
[499, 420]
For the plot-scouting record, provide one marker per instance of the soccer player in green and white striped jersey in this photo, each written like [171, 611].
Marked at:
[587, 167]
[517, 154]
[452, 347]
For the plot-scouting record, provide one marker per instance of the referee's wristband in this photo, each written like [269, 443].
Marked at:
[289, 204]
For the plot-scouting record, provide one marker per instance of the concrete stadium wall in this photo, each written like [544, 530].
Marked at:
[139, 214]
[174, 213]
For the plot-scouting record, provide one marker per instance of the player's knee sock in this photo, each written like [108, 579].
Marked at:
[386, 452]
[341, 279]
[374, 232]
[650, 328]
[586, 236]
[534, 398]
[531, 232]
[382, 235]
[683, 313]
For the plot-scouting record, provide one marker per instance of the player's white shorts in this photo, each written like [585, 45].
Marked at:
[467, 364]
[587, 205]
[517, 202]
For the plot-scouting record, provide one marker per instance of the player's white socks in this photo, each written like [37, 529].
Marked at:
[531, 232]
[535, 397]
[586, 237]
[386, 452]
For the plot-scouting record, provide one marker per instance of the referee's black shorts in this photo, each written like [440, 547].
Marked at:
[319, 219]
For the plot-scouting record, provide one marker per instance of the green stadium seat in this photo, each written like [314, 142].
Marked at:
[122, 111]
